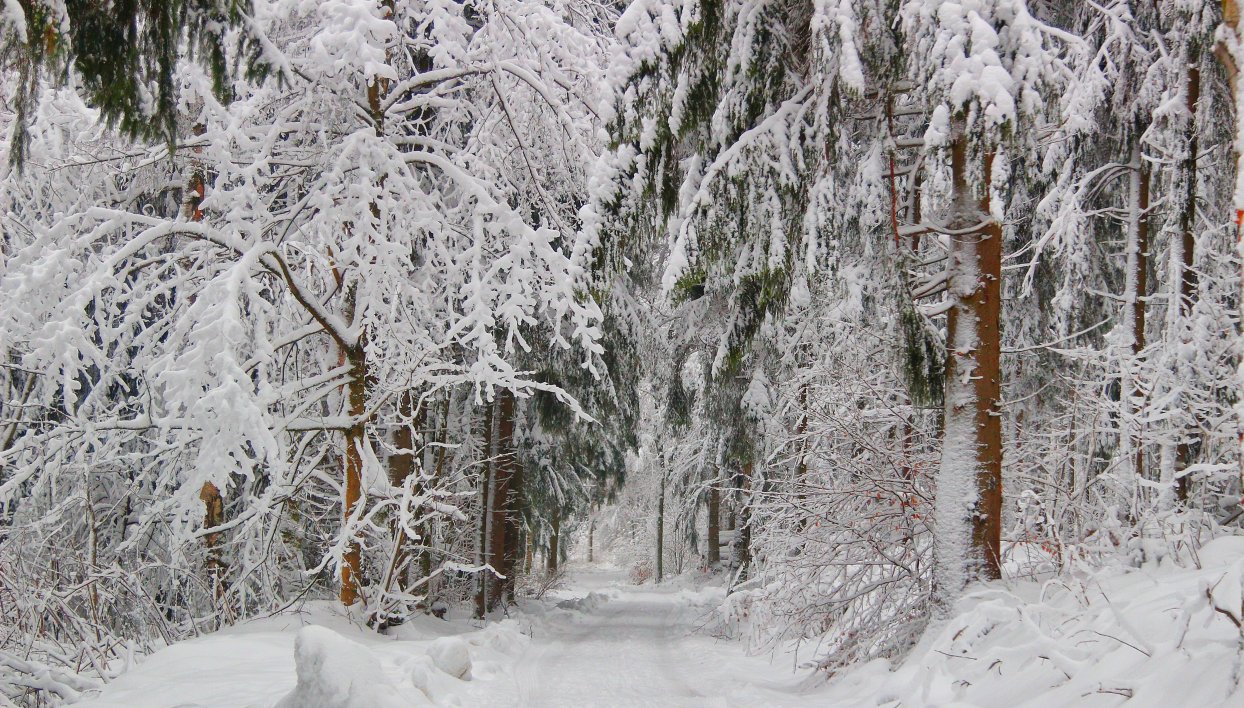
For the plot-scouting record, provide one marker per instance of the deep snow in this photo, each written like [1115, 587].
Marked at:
[600, 642]
[1160, 636]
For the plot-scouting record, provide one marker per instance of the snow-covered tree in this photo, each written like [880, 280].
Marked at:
[219, 353]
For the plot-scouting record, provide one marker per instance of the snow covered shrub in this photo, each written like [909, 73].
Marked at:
[640, 573]
[538, 583]
[259, 369]
[842, 540]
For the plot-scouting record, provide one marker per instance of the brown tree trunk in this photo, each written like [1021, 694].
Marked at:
[1231, 21]
[1132, 323]
[209, 493]
[713, 537]
[401, 466]
[214, 515]
[555, 531]
[514, 527]
[356, 390]
[1142, 289]
[1142, 265]
[987, 305]
[356, 438]
[505, 522]
[1187, 224]
[970, 480]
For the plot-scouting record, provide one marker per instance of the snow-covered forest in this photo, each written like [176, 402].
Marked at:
[382, 353]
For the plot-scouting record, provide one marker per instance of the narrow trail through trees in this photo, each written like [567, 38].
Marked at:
[624, 645]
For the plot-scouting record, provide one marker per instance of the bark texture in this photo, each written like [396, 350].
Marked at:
[1187, 273]
[969, 484]
[713, 536]
[356, 438]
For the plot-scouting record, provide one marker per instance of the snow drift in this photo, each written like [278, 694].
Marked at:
[334, 672]
[1158, 636]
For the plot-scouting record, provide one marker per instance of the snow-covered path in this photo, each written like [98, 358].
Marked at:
[1159, 636]
[638, 646]
[599, 643]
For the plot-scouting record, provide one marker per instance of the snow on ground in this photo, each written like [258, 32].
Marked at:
[642, 646]
[600, 642]
[1158, 637]
[1161, 636]
[253, 664]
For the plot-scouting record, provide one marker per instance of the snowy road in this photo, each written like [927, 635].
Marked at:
[637, 646]
[1154, 637]
[599, 643]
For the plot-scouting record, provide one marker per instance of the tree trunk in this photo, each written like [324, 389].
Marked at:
[743, 534]
[713, 537]
[1142, 288]
[1224, 51]
[801, 467]
[486, 500]
[209, 493]
[591, 534]
[1142, 263]
[401, 466]
[356, 392]
[425, 558]
[1187, 224]
[214, 515]
[661, 529]
[969, 484]
[555, 531]
[504, 524]
[1135, 283]
[529, 557]
[356, 408]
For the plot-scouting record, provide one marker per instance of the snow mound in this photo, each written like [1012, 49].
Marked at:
[588, 603]
[708, 596]
[1158, 636]
[451, 655]
[334, 672]
[423, 675]
[504, 637]
[434, 683]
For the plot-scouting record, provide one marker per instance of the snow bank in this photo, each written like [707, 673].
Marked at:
[450, 654]
[588, 603]
[334, 672]
[1163, 636]
[505, 637]
[707, 596]
[441, 671]
[316, 656]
